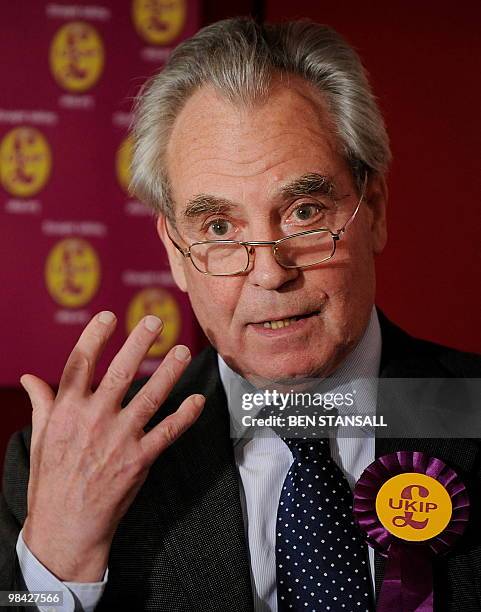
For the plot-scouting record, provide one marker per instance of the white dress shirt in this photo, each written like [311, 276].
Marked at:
[262, 463]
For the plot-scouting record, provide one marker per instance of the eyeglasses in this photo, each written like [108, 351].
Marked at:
[300, 250]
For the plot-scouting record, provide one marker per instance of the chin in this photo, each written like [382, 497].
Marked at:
[289, 368]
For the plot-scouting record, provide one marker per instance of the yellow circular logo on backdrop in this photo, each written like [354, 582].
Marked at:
[123, 161]
[413, 507]
[76, 56]
[158, 21]
[72, 272]
[161, 303]
[25, 161]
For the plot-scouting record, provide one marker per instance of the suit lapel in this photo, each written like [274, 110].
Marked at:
[405, 357]
[459, 455]
[195, 492]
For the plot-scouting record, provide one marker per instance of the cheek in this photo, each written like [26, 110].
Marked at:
[214, 301]
[350, 281]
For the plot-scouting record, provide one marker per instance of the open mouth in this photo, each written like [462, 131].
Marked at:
[279, 323]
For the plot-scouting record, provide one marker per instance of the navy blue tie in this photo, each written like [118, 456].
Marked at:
[322, 562]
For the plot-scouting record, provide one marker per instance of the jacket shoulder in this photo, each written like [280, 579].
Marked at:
[462, 364]
[415, 356]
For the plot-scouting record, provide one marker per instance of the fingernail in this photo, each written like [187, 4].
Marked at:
[106, 317]
[182, 353]
[198, 400]
[152, 323]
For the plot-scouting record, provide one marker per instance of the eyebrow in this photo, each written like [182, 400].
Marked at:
[309, 184]
[312, 183]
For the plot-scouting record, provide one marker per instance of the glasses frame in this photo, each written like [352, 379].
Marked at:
[250, 245]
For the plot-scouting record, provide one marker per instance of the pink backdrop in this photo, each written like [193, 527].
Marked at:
[72, 241]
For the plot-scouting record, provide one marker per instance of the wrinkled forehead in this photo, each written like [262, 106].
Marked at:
[242, 153]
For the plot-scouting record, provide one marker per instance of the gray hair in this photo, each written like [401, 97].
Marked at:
[239, 58]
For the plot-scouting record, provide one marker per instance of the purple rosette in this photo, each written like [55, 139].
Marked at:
[407, 584]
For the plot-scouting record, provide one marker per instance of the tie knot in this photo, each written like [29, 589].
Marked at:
[308, 450]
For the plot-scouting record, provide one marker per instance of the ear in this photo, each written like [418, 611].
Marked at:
[176, 260]
[376, 200]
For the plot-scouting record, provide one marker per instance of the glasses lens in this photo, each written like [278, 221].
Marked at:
[305, 250]
[219, 258]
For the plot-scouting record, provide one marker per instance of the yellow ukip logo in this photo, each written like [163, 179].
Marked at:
[25, 161]
[123, 161]
[76, 56]
[72, 272]
[413, 507]
[161, 303]
[158, 21]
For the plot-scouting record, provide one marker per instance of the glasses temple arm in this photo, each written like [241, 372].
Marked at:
[341, 231]
[179, 248]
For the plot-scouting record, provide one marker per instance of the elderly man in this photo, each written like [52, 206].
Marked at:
[267, 139]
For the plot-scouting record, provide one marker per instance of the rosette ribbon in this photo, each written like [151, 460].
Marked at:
[408, 583]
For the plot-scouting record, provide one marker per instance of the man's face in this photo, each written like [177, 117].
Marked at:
[247, 157]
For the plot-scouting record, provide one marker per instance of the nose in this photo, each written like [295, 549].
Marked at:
[265, 271]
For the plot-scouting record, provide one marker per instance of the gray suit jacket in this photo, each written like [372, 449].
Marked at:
[181, 545]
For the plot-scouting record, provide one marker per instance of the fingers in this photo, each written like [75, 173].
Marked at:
[172, 427]
[41, 397]
[40, 394]
[80, 367]
[147, 401]
[126, 362]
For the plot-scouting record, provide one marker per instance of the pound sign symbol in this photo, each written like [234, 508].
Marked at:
[407, 519]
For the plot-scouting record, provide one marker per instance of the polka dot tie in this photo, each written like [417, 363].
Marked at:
[322, 562]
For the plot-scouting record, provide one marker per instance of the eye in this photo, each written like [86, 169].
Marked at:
[219, 227]
[307, 211]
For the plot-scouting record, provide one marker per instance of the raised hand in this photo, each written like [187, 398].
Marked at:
[88, 456]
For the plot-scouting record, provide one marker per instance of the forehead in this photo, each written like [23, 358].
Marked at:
[238, 153]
